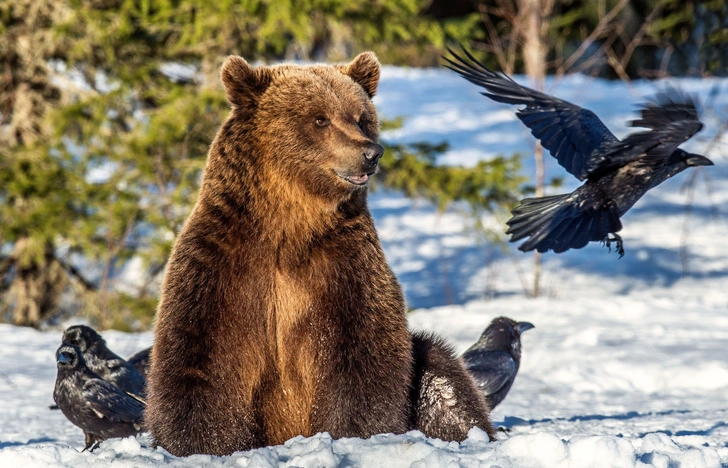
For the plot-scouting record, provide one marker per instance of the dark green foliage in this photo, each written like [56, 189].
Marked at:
[487, 186]
[328, 30]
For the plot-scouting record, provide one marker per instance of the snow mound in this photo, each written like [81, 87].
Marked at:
[408, 450]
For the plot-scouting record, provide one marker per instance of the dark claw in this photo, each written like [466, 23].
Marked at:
[91, 442]
[619, 248]
[94, 445]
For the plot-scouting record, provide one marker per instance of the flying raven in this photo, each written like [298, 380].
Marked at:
[617, 173]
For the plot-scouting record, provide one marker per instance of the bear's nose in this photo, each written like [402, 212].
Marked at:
[373, 152]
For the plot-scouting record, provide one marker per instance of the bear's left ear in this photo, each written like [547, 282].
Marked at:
[243, 84]
[364, 70]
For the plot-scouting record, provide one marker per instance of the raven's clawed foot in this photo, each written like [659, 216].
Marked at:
[92, 442]
[617, 240]
[90, 446]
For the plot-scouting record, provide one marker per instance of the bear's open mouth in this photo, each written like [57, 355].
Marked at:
[359, 179]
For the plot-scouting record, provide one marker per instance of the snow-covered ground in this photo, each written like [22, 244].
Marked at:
[627, 366]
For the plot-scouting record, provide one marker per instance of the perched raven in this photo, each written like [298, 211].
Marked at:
[617, 173]
[140, 361]
[494, 359]
[104, 362]
[100, 409]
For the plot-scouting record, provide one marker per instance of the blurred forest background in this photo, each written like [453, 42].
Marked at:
[107, 108]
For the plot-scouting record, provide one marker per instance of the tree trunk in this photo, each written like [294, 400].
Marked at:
[534, 13]
[534, 50]
[37, 286]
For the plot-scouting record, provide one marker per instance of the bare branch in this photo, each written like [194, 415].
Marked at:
[75, 273]
[161, 182]
[637, 39]
[666, 60]
[605, 23]
[517, 38]
[8, 380]
[527, 291]
[5, 266]
[113, 250]
[151, 276]
[596, 56]
[689, 186]
[496, 43]
[718, 136]
[617, 66]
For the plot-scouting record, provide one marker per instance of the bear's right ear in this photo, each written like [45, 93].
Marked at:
[364, 70]
[243, 84]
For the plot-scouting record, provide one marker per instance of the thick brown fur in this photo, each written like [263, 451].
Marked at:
[279, 315]
[446, 402]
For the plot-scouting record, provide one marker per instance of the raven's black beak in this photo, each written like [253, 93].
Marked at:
[698, 160]
[523, 326]
[65, 358]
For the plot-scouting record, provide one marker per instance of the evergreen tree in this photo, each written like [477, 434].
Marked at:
[38, 186]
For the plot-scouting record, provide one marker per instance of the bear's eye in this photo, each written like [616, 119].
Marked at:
[322, 121]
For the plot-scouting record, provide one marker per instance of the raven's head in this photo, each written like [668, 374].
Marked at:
[689, 159]
[680, 160]
[695, 159]
[503, 334]
[82, 336]
[69, 357]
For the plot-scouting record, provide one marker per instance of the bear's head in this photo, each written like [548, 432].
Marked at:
[315, 126]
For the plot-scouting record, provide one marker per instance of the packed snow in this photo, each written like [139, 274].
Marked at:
[627, 365]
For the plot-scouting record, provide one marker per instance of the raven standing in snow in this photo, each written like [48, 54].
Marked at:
[617, 173]
[494, 359]
[104, 362]
[100, 409]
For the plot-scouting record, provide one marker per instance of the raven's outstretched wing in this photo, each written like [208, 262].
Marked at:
[666, 108]
[574, 136]
[672, 118]
[110, 402]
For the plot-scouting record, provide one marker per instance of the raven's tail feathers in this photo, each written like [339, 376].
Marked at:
[559, 223]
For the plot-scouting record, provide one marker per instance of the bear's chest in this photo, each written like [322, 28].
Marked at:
[322, 313]
[292, 377]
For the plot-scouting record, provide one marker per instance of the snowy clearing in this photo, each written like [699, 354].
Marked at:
[627, 365]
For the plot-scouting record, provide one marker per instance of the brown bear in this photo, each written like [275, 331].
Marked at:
[279, 315]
